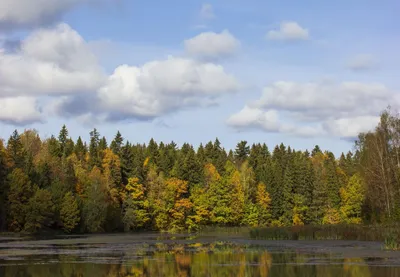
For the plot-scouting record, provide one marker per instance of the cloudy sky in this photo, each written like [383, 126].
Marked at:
[297, 72]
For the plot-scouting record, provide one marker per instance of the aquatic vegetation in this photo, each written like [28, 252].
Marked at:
[329, 232]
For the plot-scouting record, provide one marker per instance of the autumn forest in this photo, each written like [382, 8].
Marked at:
[61, 184]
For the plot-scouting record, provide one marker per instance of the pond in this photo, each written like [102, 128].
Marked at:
[152, 254]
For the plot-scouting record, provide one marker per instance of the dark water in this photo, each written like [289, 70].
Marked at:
[206, 255]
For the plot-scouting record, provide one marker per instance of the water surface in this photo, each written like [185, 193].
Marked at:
[152, 254]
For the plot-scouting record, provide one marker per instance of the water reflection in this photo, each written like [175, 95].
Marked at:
[183, 260]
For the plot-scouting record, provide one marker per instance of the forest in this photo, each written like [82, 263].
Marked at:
[58, 184]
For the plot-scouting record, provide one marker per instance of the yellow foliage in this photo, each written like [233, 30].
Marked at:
[263, 198]
[146, 161]
[176, 185]
[331, 217]
[135, 190]
[211, 174]
[297, 221]
[79, 189]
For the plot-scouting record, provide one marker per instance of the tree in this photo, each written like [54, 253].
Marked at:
[352, 196]
[15, 150]
[21, 190]
[40, 211]
[80, 149]
[136, 214]
[4, 165]
[263, 205]
[172, 209]
[63, 139]
[94, 149]
[299, 209]
[242, 151]
[69, 213]
[94, 212]
[116, 144]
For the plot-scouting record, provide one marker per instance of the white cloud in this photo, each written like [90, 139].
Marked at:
[19, 110]
[255, 118]
[268, 121]
[152, 90]
[207, 11]
[27, 13]
[50, 62]
[326, 99]
[326, 108]
[164, 86]
[362, 62]
[351, 127]
[210, 45]
[289, 30]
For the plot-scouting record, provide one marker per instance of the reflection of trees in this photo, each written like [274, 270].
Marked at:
[200, 260]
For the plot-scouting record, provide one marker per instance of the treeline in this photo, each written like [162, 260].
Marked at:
[61, 184]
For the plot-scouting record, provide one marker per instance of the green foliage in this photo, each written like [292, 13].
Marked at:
[242, 151]
[136, 214]
[40, 211]
[15, 150]
[116, 144]
[59, 184]
[69, 213]
[20, 193]
[352, 195]
[94, 211]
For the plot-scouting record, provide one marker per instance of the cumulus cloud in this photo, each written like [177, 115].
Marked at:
[19, 110]
[158, 88]
[268, 120]
[50, 61]
[362, 62]
[325, 108]
[28, 13]
[207, 11]
[210, 45]
[351, 127]
[289, 30]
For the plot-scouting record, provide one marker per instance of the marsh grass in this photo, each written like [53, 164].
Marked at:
[390, 235]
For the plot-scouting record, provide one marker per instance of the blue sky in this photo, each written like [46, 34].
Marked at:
[301, 73]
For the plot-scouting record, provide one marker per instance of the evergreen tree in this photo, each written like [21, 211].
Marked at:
[80, 149]
[242, 151]
[15, 150]
[127, 165]
[117, 143]
[63, 139]
[94, 149]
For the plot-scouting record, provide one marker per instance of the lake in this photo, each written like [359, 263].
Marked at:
[153, 254]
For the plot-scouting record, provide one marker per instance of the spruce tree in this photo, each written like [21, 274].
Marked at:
[242, 151]
[117, 143]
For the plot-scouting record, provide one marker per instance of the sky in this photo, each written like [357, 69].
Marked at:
[302, 73]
